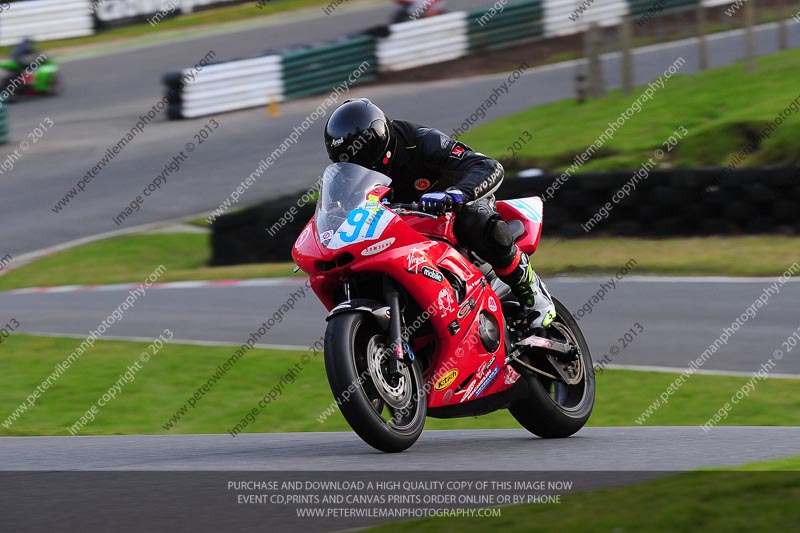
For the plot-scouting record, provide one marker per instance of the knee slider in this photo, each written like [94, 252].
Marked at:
[500, 233]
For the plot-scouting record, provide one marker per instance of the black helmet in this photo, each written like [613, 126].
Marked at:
[358, 132]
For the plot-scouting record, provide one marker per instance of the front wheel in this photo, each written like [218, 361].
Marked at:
[55, 86]
[387, 412]
[555, 409]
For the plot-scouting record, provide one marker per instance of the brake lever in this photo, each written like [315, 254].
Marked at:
[403, 211]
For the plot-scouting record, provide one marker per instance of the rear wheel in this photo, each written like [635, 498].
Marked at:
[555, 409]
[387, 412]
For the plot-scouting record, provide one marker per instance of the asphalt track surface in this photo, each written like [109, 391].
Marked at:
[680, 317]
[104, 96]
[591, 449]
[183, 482]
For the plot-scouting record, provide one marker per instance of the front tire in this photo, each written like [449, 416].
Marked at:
[55, 86]
[554, 409]
[388, 414]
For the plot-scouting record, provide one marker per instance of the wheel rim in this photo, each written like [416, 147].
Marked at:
[396, 401]
[569, 397]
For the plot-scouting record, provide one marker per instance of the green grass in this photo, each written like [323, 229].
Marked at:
[696, 501]
[717, 107]
[775, 465]
[163, 385]
[198, 20]
[132, 258]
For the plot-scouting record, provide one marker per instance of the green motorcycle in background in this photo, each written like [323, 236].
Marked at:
[29, 73]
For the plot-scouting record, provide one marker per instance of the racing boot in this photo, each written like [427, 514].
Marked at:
[531, 292]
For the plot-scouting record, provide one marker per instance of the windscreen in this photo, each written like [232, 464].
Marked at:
[344, 214]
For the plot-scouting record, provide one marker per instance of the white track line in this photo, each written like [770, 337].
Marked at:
[291, 347]
[255, 282]
[289, 281]
[672, 279]
[294, 347]
[678, 370]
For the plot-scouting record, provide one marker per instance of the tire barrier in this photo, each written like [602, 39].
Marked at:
[668, 203]
[224, 87]
[674, 202]
[317, 69]
[3, 122]
[562, 18]
[114, 13]
[424, 42]
[60, 19]
[516, 23]
[640, 7]
[45, 19]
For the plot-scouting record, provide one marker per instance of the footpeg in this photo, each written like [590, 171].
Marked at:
[564, 352]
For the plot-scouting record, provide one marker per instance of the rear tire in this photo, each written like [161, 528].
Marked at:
[352, 340]
[554, 409]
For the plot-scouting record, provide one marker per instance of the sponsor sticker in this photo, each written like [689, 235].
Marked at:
[487, 381]
[422, 184]
[510, 375]
[304, 235]
[445, 301]
[446, 380]
[492, 304]
[432, 273]
[469, 391]
[465, 309]
[414, 260]
[378, 247]
[458, 151]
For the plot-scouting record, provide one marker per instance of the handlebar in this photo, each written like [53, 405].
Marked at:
[410, 209]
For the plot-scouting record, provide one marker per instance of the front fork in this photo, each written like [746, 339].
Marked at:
[396, 354]
[399, 351]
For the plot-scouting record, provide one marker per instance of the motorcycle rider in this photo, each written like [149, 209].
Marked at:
[24, 54]
[445, 175]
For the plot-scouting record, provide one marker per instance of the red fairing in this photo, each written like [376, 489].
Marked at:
[462, 368]
[530, 212]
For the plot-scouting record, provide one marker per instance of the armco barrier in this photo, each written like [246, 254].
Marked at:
[674, 202]
[227, 86]
[45, 19]
[319, 68]
[423, 42]
[517, 22]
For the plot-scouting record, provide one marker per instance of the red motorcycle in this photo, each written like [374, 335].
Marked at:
[418, 326]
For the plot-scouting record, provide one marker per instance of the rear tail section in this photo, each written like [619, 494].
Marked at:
[529, 212]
